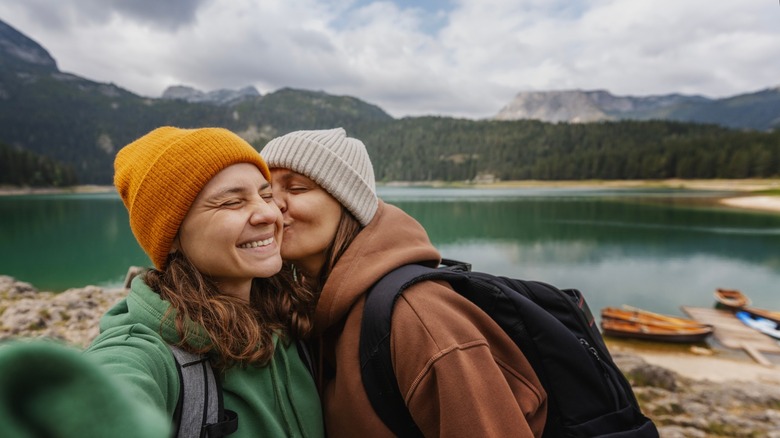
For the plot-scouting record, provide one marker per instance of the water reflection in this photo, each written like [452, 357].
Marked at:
[596, 225]
[619, 250]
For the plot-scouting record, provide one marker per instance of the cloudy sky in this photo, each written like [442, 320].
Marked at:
[461, 58]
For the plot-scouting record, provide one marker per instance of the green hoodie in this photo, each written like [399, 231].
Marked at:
[49, 389]
[279, 399]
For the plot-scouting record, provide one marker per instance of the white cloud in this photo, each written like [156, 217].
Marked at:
[460, 58]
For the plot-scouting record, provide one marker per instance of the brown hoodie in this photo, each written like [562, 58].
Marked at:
[460, 375]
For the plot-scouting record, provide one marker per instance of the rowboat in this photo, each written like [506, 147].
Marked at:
[640, 316]
[637, 330]
[731, 299]
[765, 326]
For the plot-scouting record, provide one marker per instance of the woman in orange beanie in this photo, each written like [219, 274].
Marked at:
[200, 205]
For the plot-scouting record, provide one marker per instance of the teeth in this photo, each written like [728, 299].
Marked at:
[258, 243]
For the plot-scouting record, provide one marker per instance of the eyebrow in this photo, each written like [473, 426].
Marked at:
[237, 190]
[293, 175]
[288, 176]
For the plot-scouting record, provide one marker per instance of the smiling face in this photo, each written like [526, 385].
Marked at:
[232, 231]
[311, 218]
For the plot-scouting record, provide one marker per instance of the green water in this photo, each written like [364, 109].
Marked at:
[57, 242]
[653, 249]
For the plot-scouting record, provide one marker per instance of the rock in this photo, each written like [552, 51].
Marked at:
[71, 316]
[640, 373]
[683, 407]
[680, 432]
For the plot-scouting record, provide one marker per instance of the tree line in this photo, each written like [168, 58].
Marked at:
[25, 168]
[431, 148]
[448, 149]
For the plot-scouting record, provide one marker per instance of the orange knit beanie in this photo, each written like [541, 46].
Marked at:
[159, 175]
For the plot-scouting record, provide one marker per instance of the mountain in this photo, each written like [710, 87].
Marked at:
[217, 97]
[21, 50]
[82, 123]
[758, 111]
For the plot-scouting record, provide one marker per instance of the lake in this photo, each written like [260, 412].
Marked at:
[656, 249]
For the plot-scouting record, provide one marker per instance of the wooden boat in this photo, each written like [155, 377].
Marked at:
[640, 316]
[765, 326]
[637, 330]
[730, 299]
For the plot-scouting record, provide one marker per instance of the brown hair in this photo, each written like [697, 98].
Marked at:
[348, 228]
[239, 332]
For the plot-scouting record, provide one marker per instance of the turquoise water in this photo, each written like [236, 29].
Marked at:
[656, 249]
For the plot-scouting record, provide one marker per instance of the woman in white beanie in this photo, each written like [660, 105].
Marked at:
[459, 374]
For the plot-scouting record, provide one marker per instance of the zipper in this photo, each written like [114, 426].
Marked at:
[604, 370]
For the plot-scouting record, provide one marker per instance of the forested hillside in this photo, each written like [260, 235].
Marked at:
[428, 148]
[25, 168]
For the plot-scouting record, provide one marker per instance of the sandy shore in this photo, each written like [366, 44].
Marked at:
[7, 190]
[699, 363]
[761, 203]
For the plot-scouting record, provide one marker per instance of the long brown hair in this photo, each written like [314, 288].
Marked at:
[347, 230]
[310, 287]
[238, 332]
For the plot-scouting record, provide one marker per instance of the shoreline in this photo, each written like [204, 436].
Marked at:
[13, 191]
[699, 363]
[758, 203]
[750, 192]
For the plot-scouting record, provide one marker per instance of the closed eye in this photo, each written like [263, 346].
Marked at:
[297, 189]
[268, 196]
[231, 203]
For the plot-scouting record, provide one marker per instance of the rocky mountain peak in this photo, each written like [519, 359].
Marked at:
[16, 46]
[554, 106]
[579, 106]
[218, 97]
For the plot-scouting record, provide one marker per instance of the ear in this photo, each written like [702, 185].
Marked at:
[175, 245]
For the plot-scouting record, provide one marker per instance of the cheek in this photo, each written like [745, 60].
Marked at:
[324, 232]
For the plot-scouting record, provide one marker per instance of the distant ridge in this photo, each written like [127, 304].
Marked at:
[218, 97]
[759, 110]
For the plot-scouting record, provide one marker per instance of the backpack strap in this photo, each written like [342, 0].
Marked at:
[200, 411]
[305, 355]
[376, 363]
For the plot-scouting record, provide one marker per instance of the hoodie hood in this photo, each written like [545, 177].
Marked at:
[392, 239]
[145, 306]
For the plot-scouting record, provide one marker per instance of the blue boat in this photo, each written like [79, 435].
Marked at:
[765, 326]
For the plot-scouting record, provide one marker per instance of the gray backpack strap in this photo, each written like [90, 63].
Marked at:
[198, 390]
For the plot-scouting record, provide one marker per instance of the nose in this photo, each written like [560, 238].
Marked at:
[280, 200]
[264, 213]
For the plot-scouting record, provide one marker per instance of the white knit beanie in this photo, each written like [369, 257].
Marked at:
[339, 164]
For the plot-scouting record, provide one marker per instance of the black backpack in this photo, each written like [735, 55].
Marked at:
[587, 394]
